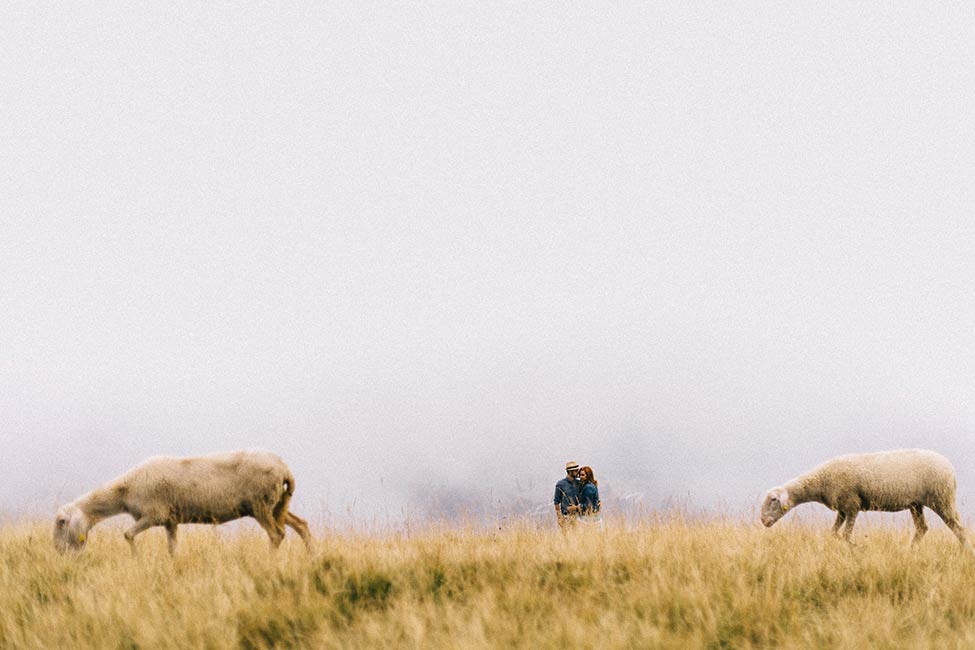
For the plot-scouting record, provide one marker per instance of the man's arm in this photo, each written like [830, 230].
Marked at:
[558, 504]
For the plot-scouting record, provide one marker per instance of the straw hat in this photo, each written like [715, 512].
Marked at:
[571, 466]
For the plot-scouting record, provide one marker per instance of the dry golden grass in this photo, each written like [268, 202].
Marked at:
[662, 584]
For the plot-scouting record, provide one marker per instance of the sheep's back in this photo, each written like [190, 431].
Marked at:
[219, 487]
[891, 480]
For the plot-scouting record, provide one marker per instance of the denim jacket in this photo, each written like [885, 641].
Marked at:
[589, 499]
[566, 494]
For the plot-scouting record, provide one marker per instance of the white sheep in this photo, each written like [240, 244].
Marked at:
[167, 491]
[888, 481]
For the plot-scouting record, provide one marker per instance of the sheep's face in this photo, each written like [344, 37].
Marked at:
[775, 505]
[70, 529]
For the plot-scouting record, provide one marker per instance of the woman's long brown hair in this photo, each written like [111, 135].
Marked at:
[588, 472]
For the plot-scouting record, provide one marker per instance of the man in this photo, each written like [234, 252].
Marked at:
[567, 496]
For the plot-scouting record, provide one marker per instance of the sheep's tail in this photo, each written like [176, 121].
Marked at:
[281, 507]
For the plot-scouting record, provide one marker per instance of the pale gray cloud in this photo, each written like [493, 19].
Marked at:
[700, 247]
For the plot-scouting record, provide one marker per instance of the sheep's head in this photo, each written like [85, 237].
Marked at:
[70, 529]
[775, 505]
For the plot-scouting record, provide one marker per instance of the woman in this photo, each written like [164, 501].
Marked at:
[589, 504]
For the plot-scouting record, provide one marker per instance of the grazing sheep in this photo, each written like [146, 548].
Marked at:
[168, 491]
[888, 481]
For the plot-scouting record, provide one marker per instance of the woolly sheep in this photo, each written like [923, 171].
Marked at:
[167, 491]
[888, 481]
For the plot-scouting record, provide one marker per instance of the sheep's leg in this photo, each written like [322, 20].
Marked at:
[851, 518]
[139, 526]
[274, 532]
[171, 537]
[950, 517]
[921, 526]
[959, 532]
[300, 526]
[840, 518]
[962, 536]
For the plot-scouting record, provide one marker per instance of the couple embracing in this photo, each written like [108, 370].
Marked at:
[577, 497]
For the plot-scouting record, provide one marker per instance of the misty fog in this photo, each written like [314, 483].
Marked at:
[430, 254]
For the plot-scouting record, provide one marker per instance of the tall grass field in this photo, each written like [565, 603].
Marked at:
[664, 582]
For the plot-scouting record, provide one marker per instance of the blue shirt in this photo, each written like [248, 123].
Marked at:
[589, 499]
[566, 494]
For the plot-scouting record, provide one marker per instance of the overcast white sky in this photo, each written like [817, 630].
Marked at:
[700, 248]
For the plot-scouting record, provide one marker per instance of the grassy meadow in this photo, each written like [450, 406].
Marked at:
[661, 583]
